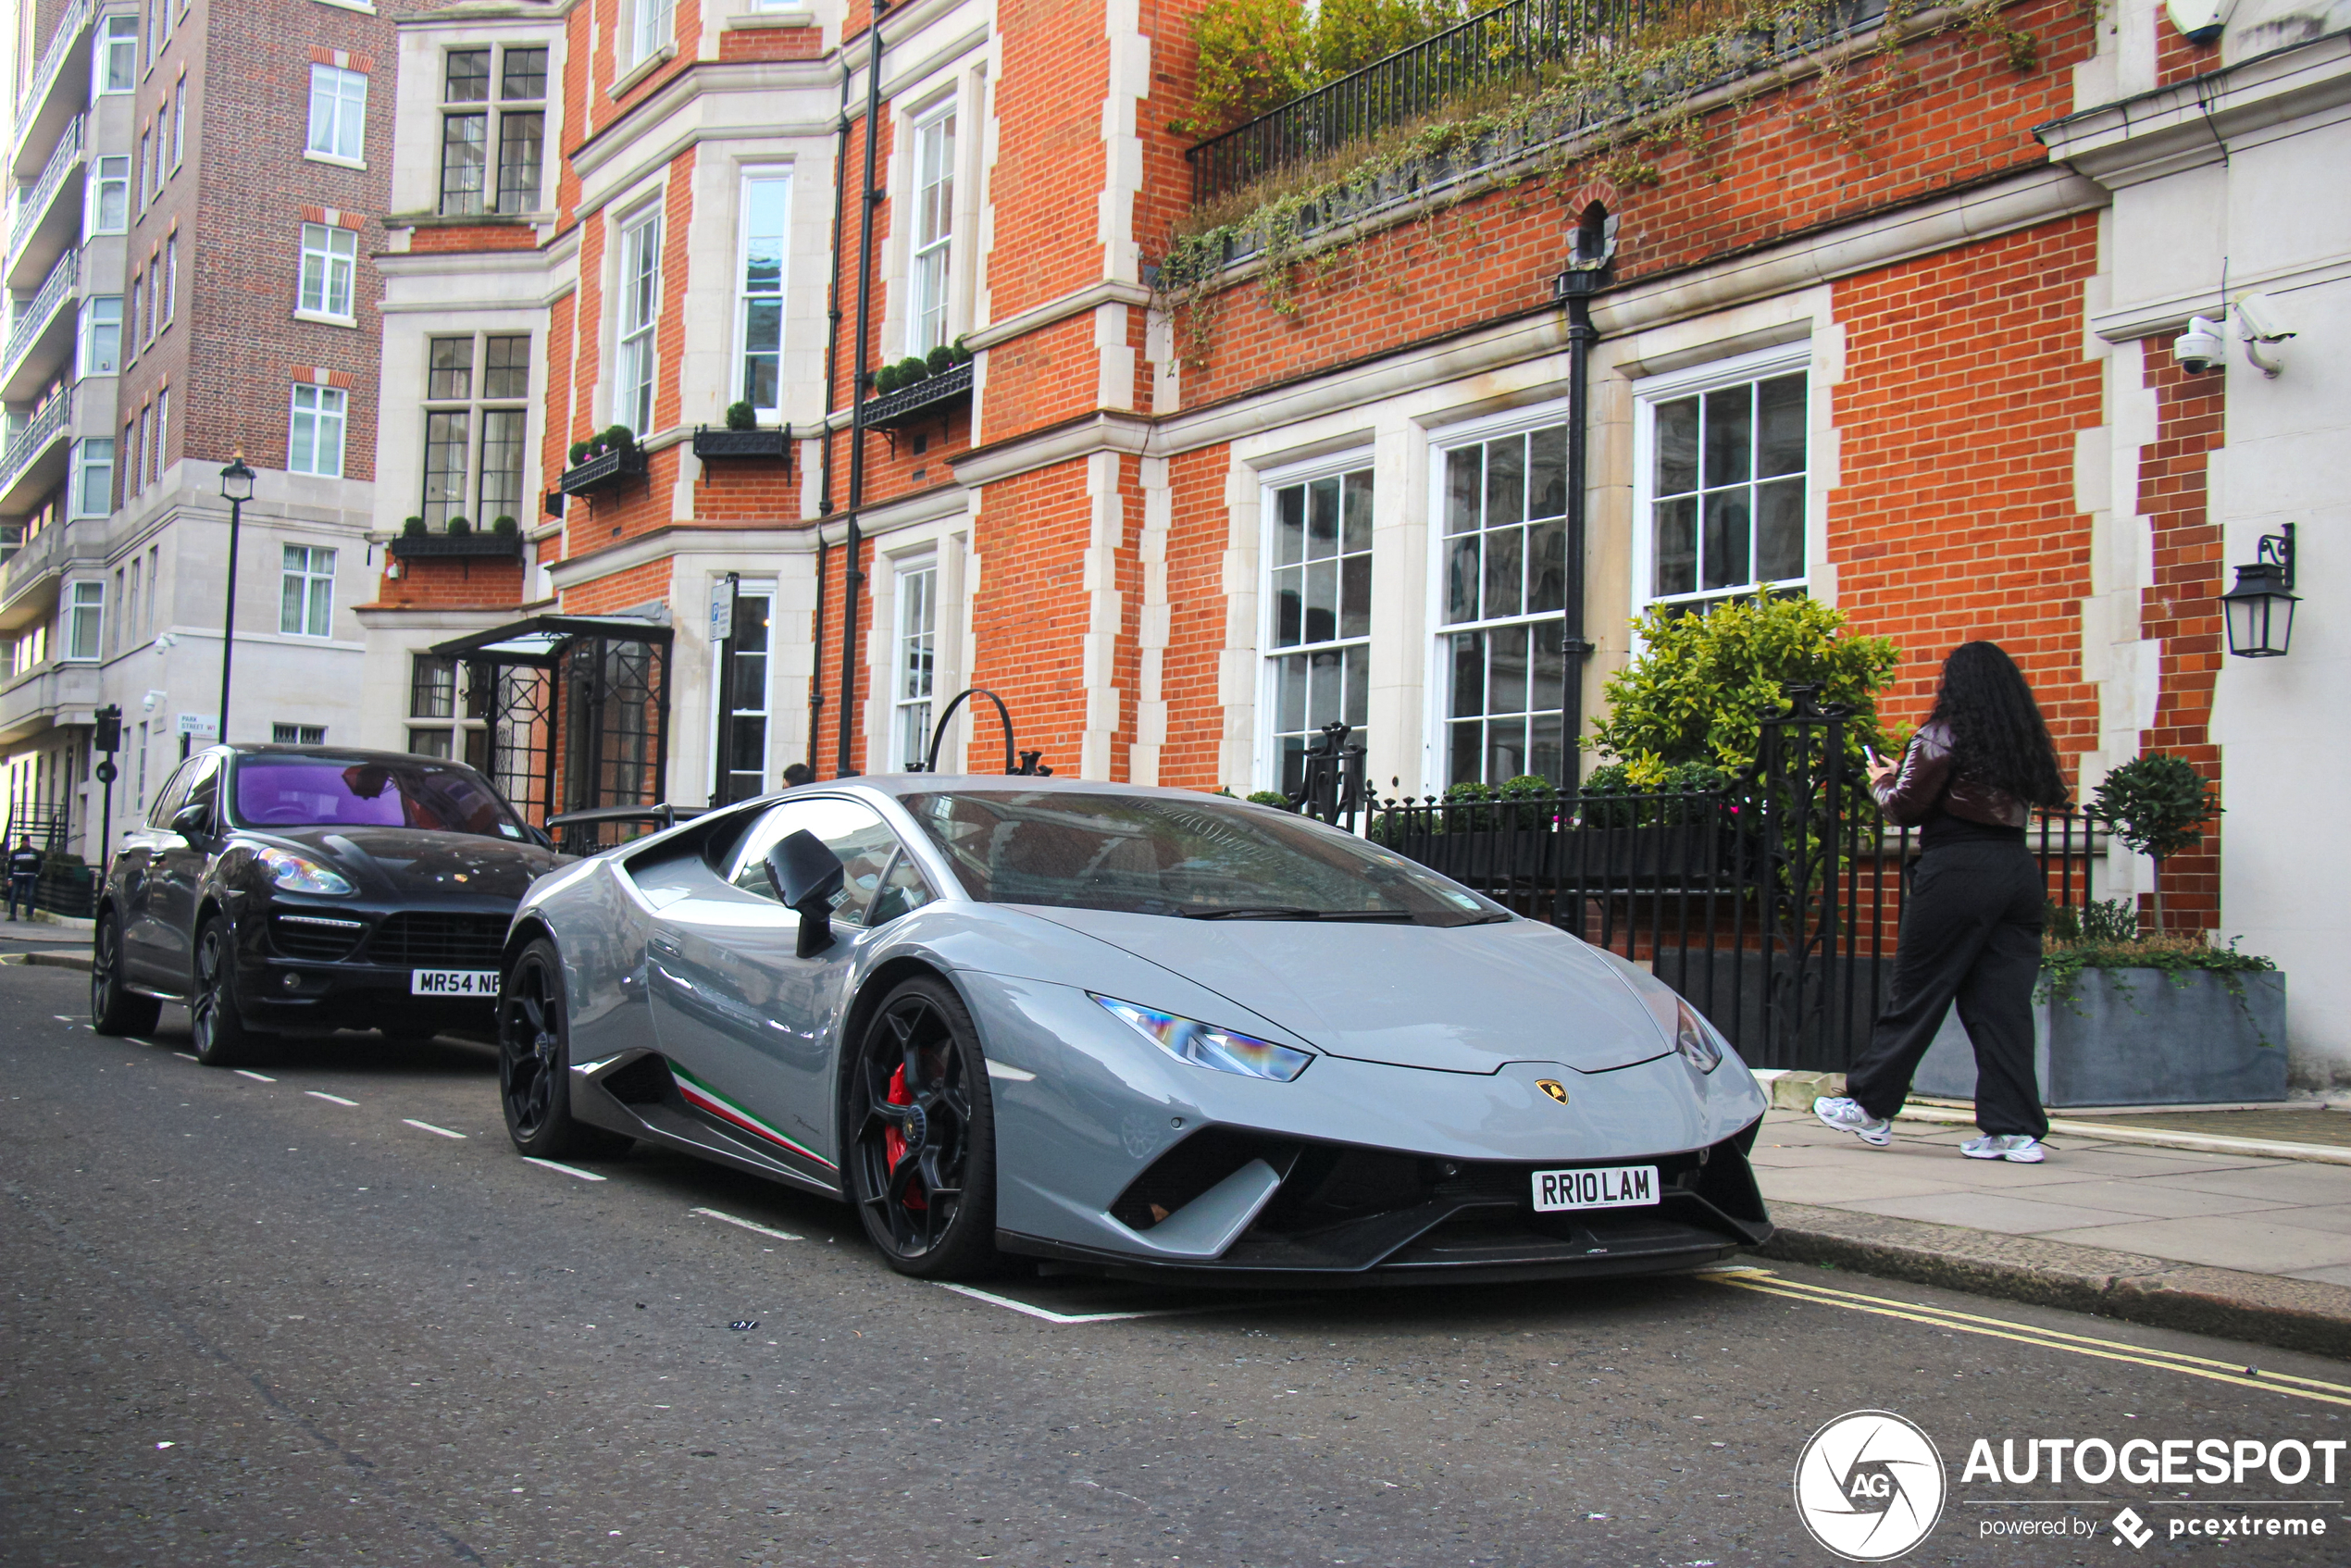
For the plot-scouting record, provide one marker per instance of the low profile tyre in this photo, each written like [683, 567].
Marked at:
[114, 1008]
[215, 1024]
[922, 1147]
[534, 1064]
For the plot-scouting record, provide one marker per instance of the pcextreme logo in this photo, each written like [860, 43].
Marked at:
[1869, 1485]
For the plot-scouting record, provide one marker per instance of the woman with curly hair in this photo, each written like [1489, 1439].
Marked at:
[1973, 916]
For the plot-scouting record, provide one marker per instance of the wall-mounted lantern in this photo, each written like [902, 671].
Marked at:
[2259, 609]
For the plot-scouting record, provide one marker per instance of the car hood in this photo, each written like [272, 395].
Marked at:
[412, 862]
[1460, 998]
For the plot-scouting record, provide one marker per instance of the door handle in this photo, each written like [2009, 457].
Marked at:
[665, 947]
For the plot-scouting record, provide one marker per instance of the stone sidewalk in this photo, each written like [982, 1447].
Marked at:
[2233, 1244]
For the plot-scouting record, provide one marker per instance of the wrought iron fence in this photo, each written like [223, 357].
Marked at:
[1774, 904]
[1512, 42]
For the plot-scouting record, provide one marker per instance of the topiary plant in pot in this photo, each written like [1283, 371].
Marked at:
[741, 417]
[2159, 805]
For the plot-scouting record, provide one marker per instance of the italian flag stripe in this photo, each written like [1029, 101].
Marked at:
[703, 1098]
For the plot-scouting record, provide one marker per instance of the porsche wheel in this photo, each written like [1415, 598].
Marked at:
[534, 1064]
[114, 1008]
[922, 1155]
[215, 1025]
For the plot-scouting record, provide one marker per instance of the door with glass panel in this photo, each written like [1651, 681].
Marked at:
[1503, 576]
[742, 697]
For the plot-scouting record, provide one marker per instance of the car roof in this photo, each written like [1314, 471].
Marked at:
[333, 753]
[901, 784]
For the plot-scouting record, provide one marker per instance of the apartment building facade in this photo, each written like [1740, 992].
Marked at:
[1853, 332]
[196, 188]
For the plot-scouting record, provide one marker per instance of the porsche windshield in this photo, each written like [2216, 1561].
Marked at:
[285, 791]
[1203, 858]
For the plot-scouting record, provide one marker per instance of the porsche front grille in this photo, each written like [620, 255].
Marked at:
[439, 940]
[318, 937]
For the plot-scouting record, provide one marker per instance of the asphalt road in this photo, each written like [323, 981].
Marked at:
[273, 1320]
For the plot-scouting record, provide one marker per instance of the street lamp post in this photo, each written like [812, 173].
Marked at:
[236, 487]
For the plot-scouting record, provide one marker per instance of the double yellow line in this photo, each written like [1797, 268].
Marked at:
[1765, 1282]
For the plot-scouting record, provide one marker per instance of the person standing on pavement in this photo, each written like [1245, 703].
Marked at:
[1974, 908]
[24, 877]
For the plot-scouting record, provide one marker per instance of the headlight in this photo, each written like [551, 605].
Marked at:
[298, 874]
[1204, 1045]
[1694, 1038]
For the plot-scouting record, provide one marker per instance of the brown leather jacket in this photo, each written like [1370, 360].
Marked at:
[1927, 778]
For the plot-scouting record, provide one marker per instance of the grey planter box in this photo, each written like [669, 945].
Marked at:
[2130, 1036]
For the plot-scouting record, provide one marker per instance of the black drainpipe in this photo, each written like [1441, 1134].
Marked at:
[1586, 274]
[825, 453]
[852, 576]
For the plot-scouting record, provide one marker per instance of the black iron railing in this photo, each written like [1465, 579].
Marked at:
[1773, 904]
[1512, 44]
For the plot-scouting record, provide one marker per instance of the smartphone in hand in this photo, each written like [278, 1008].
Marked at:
[1871, 752]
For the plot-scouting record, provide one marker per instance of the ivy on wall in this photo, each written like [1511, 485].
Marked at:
[1611, 115]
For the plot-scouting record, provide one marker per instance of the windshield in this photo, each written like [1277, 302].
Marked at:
[1203, 857]
[275, 792]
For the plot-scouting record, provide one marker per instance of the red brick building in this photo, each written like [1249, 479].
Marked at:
[1179, 516]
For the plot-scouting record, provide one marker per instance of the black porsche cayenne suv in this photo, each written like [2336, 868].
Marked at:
[301, 890]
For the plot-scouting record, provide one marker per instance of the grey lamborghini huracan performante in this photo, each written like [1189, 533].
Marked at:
[1150, 1031]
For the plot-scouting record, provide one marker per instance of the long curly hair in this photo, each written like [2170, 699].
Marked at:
[1999, 737]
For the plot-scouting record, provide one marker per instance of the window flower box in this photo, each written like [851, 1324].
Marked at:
[716, 441]
[487, 543]
[933, 397]
[603, 470]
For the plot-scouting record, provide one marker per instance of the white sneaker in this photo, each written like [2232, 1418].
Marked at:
[1847, 1115]
[2019, 1148]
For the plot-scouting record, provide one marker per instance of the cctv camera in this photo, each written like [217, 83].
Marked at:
[2258, 318]
[2201, 347]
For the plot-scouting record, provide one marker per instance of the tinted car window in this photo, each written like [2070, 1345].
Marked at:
[203, 788]
[903, 891]
[167, 799]
[1201, 857]
[291, 791]
[850, 829]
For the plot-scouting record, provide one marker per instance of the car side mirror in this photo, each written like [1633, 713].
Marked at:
[192, 820]
[808, 877]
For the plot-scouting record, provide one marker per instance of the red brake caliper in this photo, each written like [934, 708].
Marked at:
[894, 1141]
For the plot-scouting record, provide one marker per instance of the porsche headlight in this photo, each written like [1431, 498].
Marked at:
[1205, 1045]
[1694, 1038]
[299, 874]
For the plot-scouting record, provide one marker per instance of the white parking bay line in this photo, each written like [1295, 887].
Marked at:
[428, 1126]
[567, 1170]
[331, 1099]
[257, 1078]
[1066, 1318]
[729, 1219]
[185, 1055]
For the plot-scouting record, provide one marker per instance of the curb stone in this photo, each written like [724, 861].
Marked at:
[49, 960]
[2296, 1314]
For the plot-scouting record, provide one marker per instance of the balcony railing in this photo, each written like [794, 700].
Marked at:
[33, 200]
[35, 439]
[36, 312]
[52, 58]
[1512, 43]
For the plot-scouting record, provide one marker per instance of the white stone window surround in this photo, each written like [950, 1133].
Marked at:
[417, 84]
[956, 89]
[1436, 672]
[1265, 770]
[634, 385]
[745, 297]
[649, 33]
[1755, 365]
[932, 188]
[945, 541]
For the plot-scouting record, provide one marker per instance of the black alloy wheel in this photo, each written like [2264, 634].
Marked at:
[215, 1025]
[114, 1009]
[534, 1063]
[922, 1157]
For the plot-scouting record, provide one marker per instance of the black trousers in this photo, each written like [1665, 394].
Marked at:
[1971, 934]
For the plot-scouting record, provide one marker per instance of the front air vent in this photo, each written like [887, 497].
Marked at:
[316, 938]
[445, 941]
